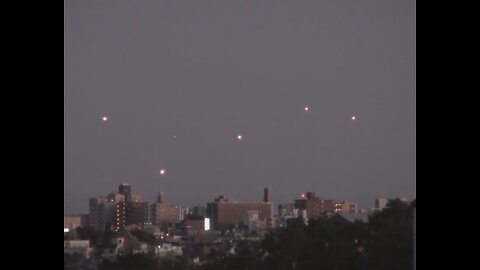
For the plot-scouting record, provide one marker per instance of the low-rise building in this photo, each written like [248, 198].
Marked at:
[167, 249]
[226, 213]
[80, 247]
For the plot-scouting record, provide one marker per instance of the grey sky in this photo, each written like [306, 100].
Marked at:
[204, 71]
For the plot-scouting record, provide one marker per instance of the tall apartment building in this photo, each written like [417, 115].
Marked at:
[136, 213]
[120, 216]
[102, 213]
[117, 210]
[162, 213]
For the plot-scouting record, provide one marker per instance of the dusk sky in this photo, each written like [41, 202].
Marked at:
[179, 80]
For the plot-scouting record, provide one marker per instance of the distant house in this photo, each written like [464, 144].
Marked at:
[80, 247]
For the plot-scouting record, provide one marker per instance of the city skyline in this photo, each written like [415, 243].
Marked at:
[205, 98]
[299, 196]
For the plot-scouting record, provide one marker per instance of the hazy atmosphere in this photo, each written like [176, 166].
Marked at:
[322, 94]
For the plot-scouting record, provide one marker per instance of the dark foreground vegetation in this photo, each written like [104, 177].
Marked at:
[384, 243]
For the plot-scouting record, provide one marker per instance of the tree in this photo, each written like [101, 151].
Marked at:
[132, 261]
[143, 236]
[390, 242]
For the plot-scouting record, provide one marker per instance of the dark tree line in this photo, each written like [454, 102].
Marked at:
[384, 243]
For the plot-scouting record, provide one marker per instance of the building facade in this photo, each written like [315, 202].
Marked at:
[380, 203]
[162, 213]
[225, 213]
[73, 221]
[315, 206]
[346, 207]
[200, 210]
[117, 210]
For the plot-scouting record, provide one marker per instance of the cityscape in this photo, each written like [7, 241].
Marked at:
[239, 135]
[130, 225]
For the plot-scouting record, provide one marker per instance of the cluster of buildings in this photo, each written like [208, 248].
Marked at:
[177, 229]
[116, 211]
[309, 205]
